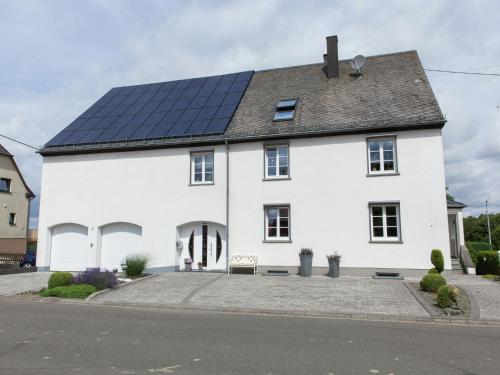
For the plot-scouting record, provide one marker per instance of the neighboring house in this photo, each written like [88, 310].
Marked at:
[15, 198]
[262, 162]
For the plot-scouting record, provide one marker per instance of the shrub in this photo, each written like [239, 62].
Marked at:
[447, 296]
[437, 260]
[136, 264]
[60, 279]
[432, 282]
[478, 246]
[306, 251]
[487, 263]
[97, 278]
[433, 270]
[70, 291]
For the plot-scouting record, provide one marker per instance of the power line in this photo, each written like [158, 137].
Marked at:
[458, 72]
[22, 143]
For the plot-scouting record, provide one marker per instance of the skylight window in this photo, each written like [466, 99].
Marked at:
[285, 109]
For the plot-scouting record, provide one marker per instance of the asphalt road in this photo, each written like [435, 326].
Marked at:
[54, 338]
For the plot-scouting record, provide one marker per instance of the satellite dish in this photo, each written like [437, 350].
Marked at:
[357, 63]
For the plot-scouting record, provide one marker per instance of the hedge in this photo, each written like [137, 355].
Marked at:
[487, 263]
[71, 291]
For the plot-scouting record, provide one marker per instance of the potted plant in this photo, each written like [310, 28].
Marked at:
[200, 266]
[306, 256]
[334, 264]
[187, 264]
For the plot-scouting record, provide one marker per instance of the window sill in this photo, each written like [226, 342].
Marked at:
[202, 184]
[5, 192]
[277, 241]
[382, 174]
[277, 179]
[386, 241]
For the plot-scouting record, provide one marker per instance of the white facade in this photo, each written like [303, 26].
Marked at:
[328, 194]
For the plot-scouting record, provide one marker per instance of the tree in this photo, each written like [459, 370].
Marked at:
[495, 238]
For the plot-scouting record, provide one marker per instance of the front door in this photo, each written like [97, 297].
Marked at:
[452, 229]
[204, 243]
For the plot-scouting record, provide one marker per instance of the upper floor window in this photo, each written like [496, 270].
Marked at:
[5, 185]
[382, 155]
[12, 218]
[277, 223]
[384, 222]
[202, 168]
[276, 161]
[285, 109]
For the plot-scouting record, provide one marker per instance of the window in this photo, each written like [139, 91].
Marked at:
[285, 109]
[5, 185]
[12, 219]
[384, 222]
[382, 155]
[277, 223]
[202, 168]
[276, 161]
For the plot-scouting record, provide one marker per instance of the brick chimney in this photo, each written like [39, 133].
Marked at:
[332, 57]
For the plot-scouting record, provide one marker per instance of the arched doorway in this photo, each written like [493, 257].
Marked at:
[203, 242]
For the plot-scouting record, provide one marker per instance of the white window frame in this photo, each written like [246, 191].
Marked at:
[381, 160]
[276, 165]
[278, 237]
[203, 155]
[384, 226]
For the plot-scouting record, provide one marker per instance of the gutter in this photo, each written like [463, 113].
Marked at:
[227, 206]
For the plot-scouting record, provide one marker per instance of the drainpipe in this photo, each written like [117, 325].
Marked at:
[227, 206]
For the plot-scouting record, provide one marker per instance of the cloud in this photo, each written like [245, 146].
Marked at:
[63, 55]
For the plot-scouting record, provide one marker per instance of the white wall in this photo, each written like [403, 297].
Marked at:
[147, 188]
[328, 193]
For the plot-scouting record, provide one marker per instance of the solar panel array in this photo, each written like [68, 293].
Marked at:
[189, 107]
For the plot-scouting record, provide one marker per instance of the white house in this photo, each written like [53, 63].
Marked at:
[263, 163]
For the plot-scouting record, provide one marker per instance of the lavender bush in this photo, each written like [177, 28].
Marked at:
[97, 278]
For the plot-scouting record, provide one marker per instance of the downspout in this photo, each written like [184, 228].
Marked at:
[227, 206]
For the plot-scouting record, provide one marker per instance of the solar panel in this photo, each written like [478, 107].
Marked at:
[192, 107]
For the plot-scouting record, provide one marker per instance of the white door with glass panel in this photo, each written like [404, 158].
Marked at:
[204, 243]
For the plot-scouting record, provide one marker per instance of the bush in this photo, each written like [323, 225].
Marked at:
[432, 282]
[487, 263]
[447, 296]
[433, 271]
[136, 264]
[70, 291]
[97, 278]
[60, 279]
[437, 260]
[478, 246]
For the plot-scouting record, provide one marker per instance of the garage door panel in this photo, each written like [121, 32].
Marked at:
[70, 250]
[119, 240]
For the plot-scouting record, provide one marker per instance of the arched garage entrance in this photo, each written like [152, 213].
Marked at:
[203, 242]
[70, 249]
[118, 240]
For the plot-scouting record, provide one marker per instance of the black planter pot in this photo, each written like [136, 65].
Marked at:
[333, 268]
[306, 265]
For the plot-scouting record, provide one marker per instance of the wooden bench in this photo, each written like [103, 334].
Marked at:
[243, 261]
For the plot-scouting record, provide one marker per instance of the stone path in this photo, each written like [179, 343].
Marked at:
[22, 282]
[347, 295]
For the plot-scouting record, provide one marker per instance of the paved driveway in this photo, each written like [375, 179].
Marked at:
[22, 282]
[347, 295]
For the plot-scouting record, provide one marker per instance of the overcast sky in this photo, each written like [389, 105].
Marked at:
[58, 57]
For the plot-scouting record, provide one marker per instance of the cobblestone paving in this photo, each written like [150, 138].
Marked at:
[486, 293]
[22, 282]
[347, 295]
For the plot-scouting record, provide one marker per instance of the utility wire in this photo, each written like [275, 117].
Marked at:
[22, 143]
[458, 72]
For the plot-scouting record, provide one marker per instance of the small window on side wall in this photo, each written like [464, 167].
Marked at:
[285, 109]
[276, 162]
[382, 158]
[12, 218]
[5, 185]
[202, 168]
[385, 222]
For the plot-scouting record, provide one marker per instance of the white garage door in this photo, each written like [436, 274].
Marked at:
[70, 249]
[119, 240]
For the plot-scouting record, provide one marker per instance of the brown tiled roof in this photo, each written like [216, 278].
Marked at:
[392, 93]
